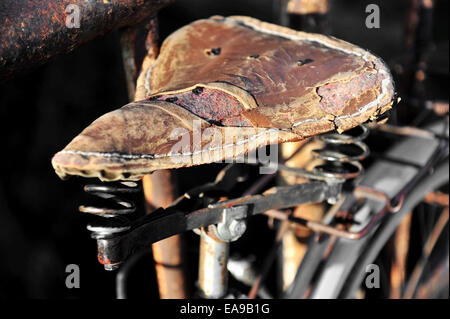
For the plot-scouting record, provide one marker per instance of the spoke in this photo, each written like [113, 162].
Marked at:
[427, 249]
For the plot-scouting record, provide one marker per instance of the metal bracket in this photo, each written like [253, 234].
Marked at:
[233, 224]
[229, 216]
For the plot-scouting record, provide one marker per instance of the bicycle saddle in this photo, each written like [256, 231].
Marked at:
[237, 76]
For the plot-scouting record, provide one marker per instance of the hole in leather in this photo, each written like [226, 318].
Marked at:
[305, 61]
[172, 99]
[213, 51]
[126, 175]
[197, 91]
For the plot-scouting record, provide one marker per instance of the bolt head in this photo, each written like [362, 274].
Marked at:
[238, 228]
[333, 200]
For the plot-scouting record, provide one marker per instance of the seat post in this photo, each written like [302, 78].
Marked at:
[214, 251]
[212, 271]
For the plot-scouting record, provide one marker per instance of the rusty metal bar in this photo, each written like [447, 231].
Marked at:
[294, 242]
[307, 6]
[438, 198]
[423, 40]
[128, 45]
[152, 47]
[401, 242]
[437, 283]
[427, 249]
[159, 191]
[31, 32]
[305, 15]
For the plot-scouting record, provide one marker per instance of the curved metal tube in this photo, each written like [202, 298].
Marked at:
[31, 32]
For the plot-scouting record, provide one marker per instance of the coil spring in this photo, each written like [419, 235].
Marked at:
[113, 220]
[342, 153]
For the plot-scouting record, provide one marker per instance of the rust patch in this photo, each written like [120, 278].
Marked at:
[335, 96]
[307, 7]
[31, 32]
[103, 259]
[209, 104]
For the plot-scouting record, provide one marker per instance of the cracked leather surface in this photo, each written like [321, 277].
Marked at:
[238, 76]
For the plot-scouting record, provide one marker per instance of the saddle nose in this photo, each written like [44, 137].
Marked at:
[148, 135]
[242, 84]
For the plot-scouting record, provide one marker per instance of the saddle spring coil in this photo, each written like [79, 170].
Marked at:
[115, 217]
[342, 154]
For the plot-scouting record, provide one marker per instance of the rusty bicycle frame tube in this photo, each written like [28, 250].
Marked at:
[305, 15]
[307, 6]
[416, 275]
[129, 37]
[159, 191]
[128, 43]
[438, 282]
[400, 243]
[160, 187]
[31, 32]
[294, 246]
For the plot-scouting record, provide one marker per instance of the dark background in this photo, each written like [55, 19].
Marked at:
[40, 229]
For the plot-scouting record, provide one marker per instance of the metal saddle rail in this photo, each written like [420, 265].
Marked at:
[116, 242]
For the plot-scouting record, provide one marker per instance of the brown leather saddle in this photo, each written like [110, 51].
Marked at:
[222, 87]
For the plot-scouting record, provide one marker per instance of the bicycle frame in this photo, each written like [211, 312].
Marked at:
[337, 281]
[50, 35]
